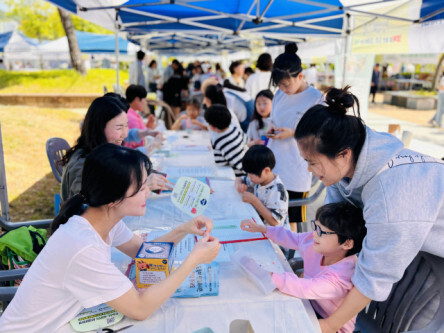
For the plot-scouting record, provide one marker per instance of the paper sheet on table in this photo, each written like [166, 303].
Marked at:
[91, 319]
[178, 172]
[191, 148]
[190, 196]
[229, 231]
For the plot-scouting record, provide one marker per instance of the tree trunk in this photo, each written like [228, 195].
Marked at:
[438, 72]
[74, 51]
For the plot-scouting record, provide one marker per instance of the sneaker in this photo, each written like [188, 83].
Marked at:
[433, 123]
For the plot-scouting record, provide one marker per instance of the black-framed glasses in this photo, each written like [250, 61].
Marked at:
[318, 230]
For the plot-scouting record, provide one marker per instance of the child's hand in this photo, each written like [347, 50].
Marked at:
[248, 197]
[206, 249]
[151, 123]
[251, 226]
[240, 186]
[183, 117]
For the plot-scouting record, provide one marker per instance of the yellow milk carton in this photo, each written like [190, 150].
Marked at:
[154, 262]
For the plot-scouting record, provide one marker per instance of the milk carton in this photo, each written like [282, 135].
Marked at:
[154, 263]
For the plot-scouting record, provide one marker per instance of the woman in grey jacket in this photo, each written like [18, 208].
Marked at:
[400, 191]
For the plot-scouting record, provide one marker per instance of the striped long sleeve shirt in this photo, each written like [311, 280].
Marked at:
[229, 148]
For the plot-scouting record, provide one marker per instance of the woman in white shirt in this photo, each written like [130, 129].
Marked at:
[153, 76]
[293, 98]
[260, 80]
[74, 270]
[236, 81]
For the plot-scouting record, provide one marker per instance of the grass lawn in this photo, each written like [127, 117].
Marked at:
[25, 130]
[59, 81]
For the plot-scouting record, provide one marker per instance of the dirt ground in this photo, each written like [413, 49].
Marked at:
[420, 117]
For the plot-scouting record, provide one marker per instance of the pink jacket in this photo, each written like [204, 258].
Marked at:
[134, 121]
[325, 286]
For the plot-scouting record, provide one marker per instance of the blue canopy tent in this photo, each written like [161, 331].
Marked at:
[96, 43]
[4, 40]
[236, 20]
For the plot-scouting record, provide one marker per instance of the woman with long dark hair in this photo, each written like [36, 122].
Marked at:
[105, 122]
[74, 270]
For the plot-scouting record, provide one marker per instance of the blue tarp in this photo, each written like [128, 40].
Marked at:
[4, 40]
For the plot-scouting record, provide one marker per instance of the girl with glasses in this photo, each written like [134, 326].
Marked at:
[329, 254]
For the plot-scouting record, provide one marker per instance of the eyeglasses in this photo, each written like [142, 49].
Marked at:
[318, 230]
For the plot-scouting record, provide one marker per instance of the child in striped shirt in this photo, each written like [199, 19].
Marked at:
[228, 141]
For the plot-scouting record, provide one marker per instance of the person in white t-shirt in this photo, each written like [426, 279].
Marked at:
[311, 75]
[74, 269]
[291, 101]
[260, 80]
[436, 121]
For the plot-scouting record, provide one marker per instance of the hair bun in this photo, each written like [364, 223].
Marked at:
[291, 48]
[339, 100]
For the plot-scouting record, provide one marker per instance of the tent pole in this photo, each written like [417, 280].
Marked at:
[347, 48]
[117, 88]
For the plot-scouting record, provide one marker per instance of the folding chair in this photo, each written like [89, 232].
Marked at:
[55, 149]
[7, 293]
[422, 281]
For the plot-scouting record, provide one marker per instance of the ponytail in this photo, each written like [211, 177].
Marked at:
[73, 206]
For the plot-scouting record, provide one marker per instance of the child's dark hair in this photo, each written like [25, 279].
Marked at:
[215, 94]
[328, 130]
[286, 65]
[264, 62]
[249, 70]
[152, 62]
[265, 93]
[194, 102]
[233, 65]
[346, 220]
[217, 115]
[134, 91]
[257, 158]
[108, 173]
[101, 110]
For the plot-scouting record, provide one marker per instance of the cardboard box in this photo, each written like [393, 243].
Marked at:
[154, 263]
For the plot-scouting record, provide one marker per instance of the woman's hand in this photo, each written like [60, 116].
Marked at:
[283, 133]
[157, 182]
[240, 186]
[251, 226]
[206, 249]
[197, 224]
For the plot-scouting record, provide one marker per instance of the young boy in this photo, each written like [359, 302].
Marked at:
[190, 119]
[261, 187]
[329, 254]
[228, 141]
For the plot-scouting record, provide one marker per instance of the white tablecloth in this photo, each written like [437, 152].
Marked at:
[238, 298]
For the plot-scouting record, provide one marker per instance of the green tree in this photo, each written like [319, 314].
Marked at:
[40, 19]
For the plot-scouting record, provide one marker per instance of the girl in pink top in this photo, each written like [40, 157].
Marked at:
[329, 254]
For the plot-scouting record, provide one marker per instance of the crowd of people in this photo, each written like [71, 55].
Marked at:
[384, 203]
